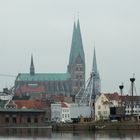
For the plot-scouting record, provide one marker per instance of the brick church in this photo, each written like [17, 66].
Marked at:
[67, 84]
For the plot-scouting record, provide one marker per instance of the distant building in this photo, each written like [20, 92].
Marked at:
[60, 112]
[103, 104]
[67, 84]
[21, 117]
[127, 102]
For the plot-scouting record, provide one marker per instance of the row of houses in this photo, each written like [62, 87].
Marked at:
[107, 106]
[63, 109]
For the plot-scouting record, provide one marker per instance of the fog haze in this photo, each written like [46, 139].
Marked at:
[44, 28]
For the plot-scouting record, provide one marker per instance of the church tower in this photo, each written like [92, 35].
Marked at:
[76, 66]
[32, 69]
[96, 77]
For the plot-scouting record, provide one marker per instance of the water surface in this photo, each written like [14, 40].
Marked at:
[47, 134]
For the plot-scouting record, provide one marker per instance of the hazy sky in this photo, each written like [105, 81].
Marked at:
[44, 28]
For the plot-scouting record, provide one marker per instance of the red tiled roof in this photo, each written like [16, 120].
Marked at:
[129, 98]
[30, 104]
[112, 96]
[29, 89]
[64, 105]
[57, 98]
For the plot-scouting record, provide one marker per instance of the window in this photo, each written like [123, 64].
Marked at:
[28, 120]
[14, 120]
[99, 107]
[6, 120]
[35, 120]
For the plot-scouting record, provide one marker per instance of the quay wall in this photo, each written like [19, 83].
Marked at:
[94, 127]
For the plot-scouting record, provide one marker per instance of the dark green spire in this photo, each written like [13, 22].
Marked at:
[32, 69]
[73, 44]
[76, 45]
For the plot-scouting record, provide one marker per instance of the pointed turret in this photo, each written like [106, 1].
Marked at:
[94, 66]
[80, 50]
[32, 69]
[96, 77]
[73, 44]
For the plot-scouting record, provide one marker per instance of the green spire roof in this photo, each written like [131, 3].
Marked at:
[43, 77]
[94, 66]
[76, 45]
[73, 43]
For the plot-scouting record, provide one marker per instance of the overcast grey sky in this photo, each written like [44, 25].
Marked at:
[44, 28]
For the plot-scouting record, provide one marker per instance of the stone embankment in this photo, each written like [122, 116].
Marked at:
[97, 126]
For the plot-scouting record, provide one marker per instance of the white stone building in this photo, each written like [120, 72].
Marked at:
[60, 112]
[63, 112]
[103, 104]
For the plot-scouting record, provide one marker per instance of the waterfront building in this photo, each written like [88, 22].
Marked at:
[22, 117]
[127, 103]
[30, 104]
[63, 112]
[66, 84]
[60, 112]
[103, 104]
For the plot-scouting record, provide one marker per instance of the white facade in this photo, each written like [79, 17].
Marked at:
[102, 108]
[136, 109]
[103, 104]
[63, 112]
[60, 112]
[79, 110]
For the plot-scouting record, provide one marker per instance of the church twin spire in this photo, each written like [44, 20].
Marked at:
[76, 45]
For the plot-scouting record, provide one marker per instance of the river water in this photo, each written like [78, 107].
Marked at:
[47, 134]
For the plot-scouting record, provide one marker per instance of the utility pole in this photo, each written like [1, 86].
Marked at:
[132, 87]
